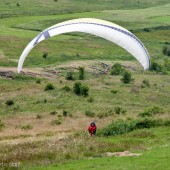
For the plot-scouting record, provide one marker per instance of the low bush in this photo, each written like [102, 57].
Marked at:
[145, 83]
[56, 122]
[81, 73]
[1, 125]
[156, 67]
[26, 127]
[117, 69]
[89, 113]
[38, 81]
[9, 102]
[90, 99]
[65, 113]
[80, 89]
[110, 112]
[69, 76]
[166, 50]
[119, 110]
[66, 88]
[53, 113]
[38, 116]
[77, 88]
[124, 126]
[127, 77]
[45, 55]
[84, 91]
[114, 91]
[117, 128]
[49, 86]
[150, 112]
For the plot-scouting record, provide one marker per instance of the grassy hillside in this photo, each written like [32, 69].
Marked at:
[33, 128]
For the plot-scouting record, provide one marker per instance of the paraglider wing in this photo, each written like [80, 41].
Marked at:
[101, 28]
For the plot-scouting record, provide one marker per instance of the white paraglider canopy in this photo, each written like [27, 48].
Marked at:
[101, 28]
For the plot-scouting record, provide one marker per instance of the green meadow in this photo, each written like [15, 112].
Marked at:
[33, 128]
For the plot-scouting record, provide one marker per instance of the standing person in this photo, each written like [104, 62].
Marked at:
[92, 129]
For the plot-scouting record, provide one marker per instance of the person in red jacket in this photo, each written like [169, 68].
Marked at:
[92, 129]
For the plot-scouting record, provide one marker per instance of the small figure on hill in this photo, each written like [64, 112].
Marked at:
[92, 129]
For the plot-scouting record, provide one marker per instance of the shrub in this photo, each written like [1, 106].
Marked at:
[125, 126]
[151, 111]
[80, 89]
[77, 88]
[81, 73]
[146, 29]
[1, 125]
[146, 123]
[18, 5]
[9, 102]
[84, 91]
[89, 113]
[145, 83]
[114, 91]
[127, 77]
[66, 88]
[65, 113]
[45, 55]
[166, 50]
[90, 99]
[119, 110]
[167, 123]
[145, 114]
[69, 76]
[49, 86]
[117, 69]
[166, 64]
[38, 116]
[117, 128]
[45, 100]
[110, 112]
[56, 122]
[156, 67]
[38, 81]
[53, 113]
[27, 127]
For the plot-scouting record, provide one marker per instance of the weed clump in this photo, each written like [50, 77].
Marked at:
[49, 86]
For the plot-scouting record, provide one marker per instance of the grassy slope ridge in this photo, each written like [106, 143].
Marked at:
[19, 24]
